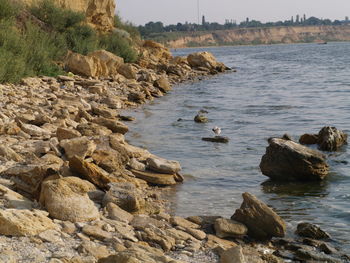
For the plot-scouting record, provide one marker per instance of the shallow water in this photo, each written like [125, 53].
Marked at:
[278, 89]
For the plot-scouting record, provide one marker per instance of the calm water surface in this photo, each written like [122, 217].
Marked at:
[278, 89]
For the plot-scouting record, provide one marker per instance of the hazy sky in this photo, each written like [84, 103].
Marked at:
[174, 11]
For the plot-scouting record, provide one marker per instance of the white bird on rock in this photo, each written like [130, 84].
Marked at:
[216, 130]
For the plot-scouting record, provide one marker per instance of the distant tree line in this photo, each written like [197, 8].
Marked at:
[159, 27]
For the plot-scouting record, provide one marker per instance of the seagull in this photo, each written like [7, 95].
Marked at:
[216, 130]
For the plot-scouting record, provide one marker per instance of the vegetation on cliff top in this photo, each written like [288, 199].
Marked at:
[35, 41]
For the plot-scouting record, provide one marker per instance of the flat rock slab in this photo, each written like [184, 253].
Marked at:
[290, 161]
[219, 139]
[155, 178]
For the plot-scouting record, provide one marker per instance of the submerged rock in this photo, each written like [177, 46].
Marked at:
[219, 139]
[289, 161]
[308, 138]
[331, 139]
[262, 222]
[200, 118]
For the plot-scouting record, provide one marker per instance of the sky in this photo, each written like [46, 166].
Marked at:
[140, 12]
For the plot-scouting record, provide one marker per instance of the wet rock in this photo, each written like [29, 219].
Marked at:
[205, 60]
[219, 139]
[308, 139]
[66, 199]
[126, 196]
[305, 254]
[200, 118]
[290, 161]
[163, 84]
[262, 222]
[116, 213]
[328, 249]
[80, 147]
[331, 139]
[24, 222]
[233, 255]
[311, 231]
[91, 172]
[155, 178]
[229, 228]
[163, 166]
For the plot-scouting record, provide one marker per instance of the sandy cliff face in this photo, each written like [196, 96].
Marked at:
[273, 35]
[100, 13]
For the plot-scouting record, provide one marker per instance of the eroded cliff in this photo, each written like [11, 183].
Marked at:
[99, 13]
[273, 35]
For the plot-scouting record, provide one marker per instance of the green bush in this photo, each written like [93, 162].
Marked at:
[36, 49]
[81, 39]
[128, 27]
[28, 53]
[8, 9]
[119, 45]
[56, 18]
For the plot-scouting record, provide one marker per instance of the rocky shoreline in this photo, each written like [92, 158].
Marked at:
[73, 190]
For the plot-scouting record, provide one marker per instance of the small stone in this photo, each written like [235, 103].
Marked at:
[51, 236]
[179, 221]
[233, 255]
[96, 232]
[229, 228]
[116, 213]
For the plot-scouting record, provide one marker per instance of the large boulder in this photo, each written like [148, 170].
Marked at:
[112, 61]
[82, 65]
[66, 199]
[205, 60]
[262, 222]
[331, 139]
[289, 161]
[22, 222]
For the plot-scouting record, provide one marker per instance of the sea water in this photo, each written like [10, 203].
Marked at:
[277, 89]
